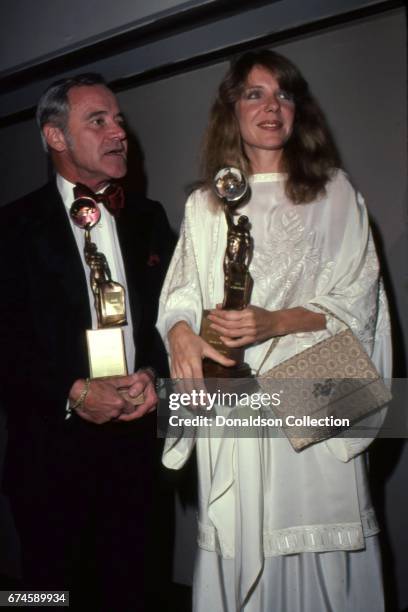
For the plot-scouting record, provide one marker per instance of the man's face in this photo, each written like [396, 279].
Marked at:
[95, 143]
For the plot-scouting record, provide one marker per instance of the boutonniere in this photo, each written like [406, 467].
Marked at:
[153, 260]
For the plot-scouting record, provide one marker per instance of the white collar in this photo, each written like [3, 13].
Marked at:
[66, 190]
[268, 177]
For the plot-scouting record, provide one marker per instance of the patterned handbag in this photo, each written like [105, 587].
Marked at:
[329, 382]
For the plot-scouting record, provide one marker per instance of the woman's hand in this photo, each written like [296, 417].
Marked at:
[244, 327]
[187, 350]
[253, 324]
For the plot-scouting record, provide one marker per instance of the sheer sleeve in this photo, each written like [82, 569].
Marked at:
[181, 297]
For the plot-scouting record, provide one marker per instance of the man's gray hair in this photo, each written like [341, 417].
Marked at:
[53, 106]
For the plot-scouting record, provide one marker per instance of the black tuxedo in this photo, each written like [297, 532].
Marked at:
[59, 473]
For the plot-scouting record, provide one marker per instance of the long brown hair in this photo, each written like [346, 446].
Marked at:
[310, 155]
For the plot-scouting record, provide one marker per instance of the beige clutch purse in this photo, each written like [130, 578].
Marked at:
[335, 378]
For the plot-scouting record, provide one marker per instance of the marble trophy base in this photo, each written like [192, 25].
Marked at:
[106, 354]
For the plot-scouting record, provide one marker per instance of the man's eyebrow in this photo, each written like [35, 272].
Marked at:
[103, 113]
[94, 114]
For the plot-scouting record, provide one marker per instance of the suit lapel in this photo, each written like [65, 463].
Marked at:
[128, 229]
[56, 253]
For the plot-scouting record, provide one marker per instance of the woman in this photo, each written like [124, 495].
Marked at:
[278, 530]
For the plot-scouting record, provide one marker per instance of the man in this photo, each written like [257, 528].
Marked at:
[79, 463]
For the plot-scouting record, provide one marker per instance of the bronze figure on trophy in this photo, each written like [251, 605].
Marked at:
[109, 296]
[232, 188]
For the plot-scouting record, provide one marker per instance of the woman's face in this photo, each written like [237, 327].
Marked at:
[265, 113]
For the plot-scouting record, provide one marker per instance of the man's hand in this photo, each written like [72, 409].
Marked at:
[144, 382]
[104, 402]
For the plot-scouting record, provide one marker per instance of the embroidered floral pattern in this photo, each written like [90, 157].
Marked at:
[288, 264]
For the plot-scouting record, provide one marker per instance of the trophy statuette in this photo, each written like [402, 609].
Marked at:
[106, 349]
[232, 188]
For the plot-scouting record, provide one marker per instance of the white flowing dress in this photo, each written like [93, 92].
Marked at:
[279, 530]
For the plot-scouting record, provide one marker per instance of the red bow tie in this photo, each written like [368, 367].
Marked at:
[112, 198]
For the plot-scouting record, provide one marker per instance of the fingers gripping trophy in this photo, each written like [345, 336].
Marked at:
[232, 188]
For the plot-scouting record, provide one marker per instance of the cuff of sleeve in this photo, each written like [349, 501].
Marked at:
[68, 411]
[177, 451]
[346, 449]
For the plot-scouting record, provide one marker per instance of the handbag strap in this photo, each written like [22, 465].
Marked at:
[329, 312]
[271, 347]
[275, 340]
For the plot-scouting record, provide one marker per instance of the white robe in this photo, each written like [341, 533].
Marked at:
[258, 498]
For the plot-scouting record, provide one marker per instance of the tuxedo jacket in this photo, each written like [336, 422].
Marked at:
[44, 303]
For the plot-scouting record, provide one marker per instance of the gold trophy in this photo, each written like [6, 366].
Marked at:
[232, 188]
[106, 348]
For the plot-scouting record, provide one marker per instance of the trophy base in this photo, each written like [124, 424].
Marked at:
[212, 369]
[237, 379]
[106, 353]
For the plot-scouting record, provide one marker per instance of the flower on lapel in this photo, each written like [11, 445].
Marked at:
[153, 260]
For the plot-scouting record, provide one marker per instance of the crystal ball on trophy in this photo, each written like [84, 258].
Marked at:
[85, 212]
[231, 185]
